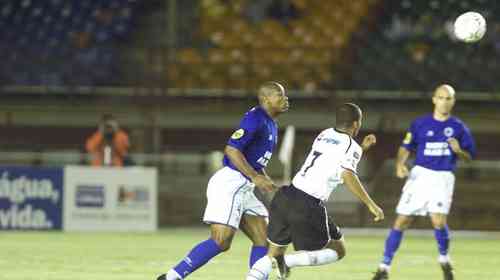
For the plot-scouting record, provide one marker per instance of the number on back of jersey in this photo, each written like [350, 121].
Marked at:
[311, 158]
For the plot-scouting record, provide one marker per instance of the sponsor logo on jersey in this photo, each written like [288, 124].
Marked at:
[328, 140]
[264, 160]
[437, 149]
[407, 139]
[238, 134]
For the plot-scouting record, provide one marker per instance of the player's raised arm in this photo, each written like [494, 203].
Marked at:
[352, 182]
[238, 159]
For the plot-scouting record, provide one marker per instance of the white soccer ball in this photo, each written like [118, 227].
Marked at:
[470, 27]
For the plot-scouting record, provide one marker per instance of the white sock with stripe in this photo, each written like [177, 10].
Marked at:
[311, 258]
[260, 269]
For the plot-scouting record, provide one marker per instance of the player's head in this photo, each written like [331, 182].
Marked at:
[348, 117]
[272, 97]
[443, 99]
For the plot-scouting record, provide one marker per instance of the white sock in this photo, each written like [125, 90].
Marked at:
[173, 275]
[311, 258]
[260, 269]
[444, 259]
[384, 266]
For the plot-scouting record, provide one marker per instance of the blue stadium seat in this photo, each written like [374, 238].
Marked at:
[31, 28]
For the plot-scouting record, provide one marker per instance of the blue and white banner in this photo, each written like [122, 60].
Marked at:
[110, 199]
[31, 198]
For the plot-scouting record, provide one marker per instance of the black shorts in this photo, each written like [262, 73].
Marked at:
[299, 218]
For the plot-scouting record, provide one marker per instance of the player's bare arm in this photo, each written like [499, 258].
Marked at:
[455, 147]
[402, 157]
[352, 182]
[368, 141]
[238, 159]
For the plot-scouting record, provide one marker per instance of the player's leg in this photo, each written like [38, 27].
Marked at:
[261, 269]
[310, 254]
[395, 237]
[278, 236]
[442, 235]
[220, 240]
[413, 201]
[315, 236]
[225, 193]
[439, 207]
[255, 228]
[392, 243]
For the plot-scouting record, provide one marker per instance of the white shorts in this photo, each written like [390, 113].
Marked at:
[230, 196]
[426, 191]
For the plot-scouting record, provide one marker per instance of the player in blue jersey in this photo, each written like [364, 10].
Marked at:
[438, 140]
[231, 201]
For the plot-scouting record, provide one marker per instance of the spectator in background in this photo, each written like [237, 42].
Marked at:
[109, 145]
[255, 11]
[283, 11]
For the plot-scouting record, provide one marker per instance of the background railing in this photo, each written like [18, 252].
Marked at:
[182, 179]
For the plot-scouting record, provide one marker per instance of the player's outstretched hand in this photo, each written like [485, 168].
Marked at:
[401, 171]
[368, 141]
[454, 144]
[377, 212]
[264, 183]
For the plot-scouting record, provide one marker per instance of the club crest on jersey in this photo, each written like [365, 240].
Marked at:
[430, 133]
[238, 134]
[448, 131]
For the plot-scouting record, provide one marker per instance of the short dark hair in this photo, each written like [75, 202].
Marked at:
[267, 89]
[270, 86]
[346, 114]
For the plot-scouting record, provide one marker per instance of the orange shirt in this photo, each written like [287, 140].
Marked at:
[95, 146]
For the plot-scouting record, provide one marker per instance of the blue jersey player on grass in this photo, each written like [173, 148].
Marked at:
[232, 204]
[438, 140]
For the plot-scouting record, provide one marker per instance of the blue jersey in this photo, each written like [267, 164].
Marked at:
[427, 137]
[255, 137]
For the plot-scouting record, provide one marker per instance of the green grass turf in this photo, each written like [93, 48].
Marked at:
[108, 256]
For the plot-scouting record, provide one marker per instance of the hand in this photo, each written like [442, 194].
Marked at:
[401, 171]
[264, 183]
[377, 212]
[368, 141]
[454, 145]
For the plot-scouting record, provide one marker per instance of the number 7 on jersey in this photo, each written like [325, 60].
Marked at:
[315, 156]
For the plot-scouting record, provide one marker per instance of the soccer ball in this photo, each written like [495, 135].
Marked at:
[470, 27]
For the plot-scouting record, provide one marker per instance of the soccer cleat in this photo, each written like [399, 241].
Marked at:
[282, 270]
[381, 274]
[447, 271]
[162, 277]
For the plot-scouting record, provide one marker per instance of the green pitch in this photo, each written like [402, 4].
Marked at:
[98, 256]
